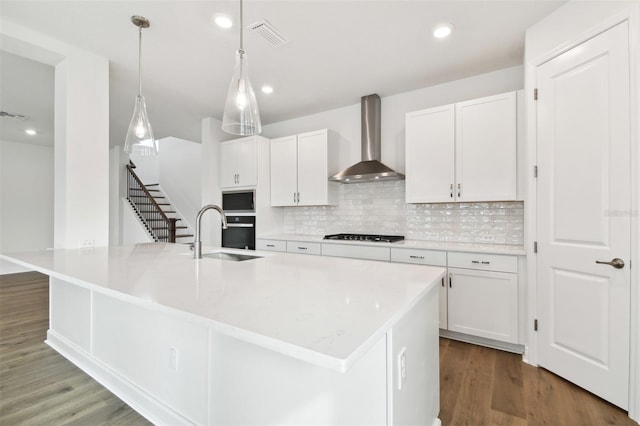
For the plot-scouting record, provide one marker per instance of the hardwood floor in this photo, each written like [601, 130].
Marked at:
[478, 386]
[37, 385]
[482, 386]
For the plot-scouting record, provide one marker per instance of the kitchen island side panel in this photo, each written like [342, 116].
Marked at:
[254, 385]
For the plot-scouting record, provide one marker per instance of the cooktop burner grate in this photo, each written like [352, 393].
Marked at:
[365, 237]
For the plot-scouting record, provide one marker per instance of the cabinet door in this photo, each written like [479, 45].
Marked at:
[486, 148]
[228, 164]
[247, 169]
[443, 304]
[313, 183]
[484, 304]
[284, 171]
[430, 155]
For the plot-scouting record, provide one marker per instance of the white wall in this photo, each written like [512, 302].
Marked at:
[26, 199]
[345, 122]
[180, 165]
[178, 170]
[81, 205]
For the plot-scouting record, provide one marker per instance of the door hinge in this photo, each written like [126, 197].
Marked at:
[535, 94]
[535, 246]
[535, 171]
[535, 325]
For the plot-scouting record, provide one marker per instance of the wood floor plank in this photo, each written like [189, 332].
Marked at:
[453, 365]
[508, 389]
[476, 389]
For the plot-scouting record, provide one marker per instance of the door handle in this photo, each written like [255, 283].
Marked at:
[616, 263]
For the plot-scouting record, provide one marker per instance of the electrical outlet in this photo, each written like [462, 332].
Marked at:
[402, 367]
[87, 243]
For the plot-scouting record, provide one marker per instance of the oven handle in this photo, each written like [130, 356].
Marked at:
[240, 225]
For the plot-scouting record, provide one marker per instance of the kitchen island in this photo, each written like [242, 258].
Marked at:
[279, 339]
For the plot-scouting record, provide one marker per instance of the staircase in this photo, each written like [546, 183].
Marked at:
[154, 211]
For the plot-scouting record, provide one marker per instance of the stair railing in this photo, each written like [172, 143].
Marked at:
[151, 212]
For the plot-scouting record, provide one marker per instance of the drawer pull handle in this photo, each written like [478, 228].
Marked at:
[442, 281]
[412, 256]
[302, 248]
[270, 245]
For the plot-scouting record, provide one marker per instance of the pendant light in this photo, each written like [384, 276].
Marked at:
[140, 140]
[241, 116]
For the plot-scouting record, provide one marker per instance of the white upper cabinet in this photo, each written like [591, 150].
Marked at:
[284, 171]
[239, 162]
[300, 169]
[430, 150]
[486, 149]
[463, 152]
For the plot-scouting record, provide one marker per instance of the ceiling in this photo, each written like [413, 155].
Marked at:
[337, 51]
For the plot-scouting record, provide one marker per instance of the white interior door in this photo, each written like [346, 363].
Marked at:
[583, 215]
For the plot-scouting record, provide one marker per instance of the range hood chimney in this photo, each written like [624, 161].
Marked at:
[370, 169]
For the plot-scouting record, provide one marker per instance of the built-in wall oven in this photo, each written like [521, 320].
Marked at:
[239, 208]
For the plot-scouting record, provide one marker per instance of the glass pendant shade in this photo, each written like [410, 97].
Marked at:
[140, 140]
[241, 116]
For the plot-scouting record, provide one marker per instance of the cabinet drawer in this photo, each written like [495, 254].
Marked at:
[303, 247]
[356, 251]
[271, 245]
[421, 257]
[483, 261]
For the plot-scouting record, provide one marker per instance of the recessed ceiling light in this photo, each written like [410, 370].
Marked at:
[222, 20]
[442, 30]
[267, 89]
[30, 132]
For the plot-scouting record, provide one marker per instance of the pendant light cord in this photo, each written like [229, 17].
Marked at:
[140, 61]
[241, 29]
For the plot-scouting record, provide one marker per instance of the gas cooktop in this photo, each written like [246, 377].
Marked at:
[365, 237]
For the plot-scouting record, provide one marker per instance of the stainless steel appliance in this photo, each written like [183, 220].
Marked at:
[370, 169]
[239, 201]
[240, 232]
[365, 237]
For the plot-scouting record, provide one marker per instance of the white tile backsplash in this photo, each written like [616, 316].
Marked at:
[380, 208]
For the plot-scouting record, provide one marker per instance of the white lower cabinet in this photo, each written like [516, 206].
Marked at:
[432, 258]
[483, 302]
[478, 295]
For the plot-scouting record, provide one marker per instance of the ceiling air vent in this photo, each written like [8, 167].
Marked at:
[267, 31]
[14, 116]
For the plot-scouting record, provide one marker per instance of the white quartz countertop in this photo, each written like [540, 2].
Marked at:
[415, 244]
[324, 310]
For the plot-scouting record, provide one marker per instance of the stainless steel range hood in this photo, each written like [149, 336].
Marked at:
[370, 169]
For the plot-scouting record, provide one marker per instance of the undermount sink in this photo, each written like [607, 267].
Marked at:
[236, 257]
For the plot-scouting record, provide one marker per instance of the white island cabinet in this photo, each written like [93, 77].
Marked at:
[279, 339]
